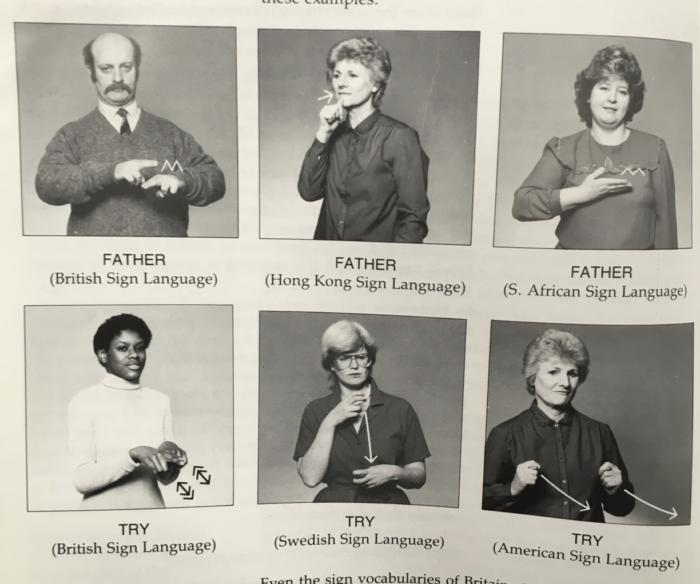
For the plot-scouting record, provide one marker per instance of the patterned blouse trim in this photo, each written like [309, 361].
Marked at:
[570, 145]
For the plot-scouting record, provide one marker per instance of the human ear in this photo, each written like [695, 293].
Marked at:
[102, 356]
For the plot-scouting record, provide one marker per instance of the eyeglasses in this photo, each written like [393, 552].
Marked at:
[344, 361]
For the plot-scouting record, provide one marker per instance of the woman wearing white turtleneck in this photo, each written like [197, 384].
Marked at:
[120, 433]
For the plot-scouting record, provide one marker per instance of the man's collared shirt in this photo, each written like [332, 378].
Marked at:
[396, 435]
[570, 453]
[110, 113]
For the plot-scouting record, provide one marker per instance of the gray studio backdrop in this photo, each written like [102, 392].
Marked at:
[537, 104]
[419, 359]
[188, 76]
[640, 384]
[190, 360]
[433, 89]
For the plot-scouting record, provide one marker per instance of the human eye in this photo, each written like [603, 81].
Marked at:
[344, 359]
[336, 74]
[105, 68]
[573, 373]
[121, 348]
[127, 66]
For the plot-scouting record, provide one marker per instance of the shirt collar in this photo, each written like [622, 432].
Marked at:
[110, 113]
[544, 420]
[366, 125]
[118, 383]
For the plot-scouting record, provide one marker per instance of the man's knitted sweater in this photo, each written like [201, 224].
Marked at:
[78, 168]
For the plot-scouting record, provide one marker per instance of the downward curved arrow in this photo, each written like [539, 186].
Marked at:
[586, 507]
[673, 513]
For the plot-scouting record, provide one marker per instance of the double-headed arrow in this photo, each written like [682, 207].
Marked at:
[198, 472]
[186, 492]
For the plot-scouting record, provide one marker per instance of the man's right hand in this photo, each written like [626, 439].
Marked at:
[130, 170]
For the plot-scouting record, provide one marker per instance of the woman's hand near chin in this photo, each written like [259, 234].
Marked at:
[330, 117]
[350, 407]
[594, 187]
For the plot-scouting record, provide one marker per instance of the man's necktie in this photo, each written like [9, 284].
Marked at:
[125, 130]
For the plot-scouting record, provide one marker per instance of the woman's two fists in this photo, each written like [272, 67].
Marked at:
[526, 474]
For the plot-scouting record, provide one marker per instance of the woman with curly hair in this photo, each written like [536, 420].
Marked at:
[369, 169]
[611, 185]
[120, 433]
[551, 460]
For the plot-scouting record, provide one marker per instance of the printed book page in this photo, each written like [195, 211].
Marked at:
[349, 292]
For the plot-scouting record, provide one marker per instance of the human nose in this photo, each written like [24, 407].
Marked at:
[564, 380]
[353, 363]
[117, 74]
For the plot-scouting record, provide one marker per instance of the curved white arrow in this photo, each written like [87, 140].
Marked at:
[586, 507]
[673, 513]
[328, 96]
[369, 441]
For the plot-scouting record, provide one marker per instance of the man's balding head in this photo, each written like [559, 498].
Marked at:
[113, 61]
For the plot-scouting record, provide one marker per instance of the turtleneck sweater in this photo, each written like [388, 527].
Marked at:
[104, 423]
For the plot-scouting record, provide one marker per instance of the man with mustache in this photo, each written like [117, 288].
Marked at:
[123, 170]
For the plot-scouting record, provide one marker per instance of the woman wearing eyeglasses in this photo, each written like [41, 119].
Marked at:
[361, 442]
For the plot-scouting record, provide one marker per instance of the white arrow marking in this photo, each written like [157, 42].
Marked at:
[369, 440]
[673, 515]
[586, 507]
[328, 97]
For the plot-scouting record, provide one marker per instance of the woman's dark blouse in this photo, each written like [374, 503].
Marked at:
[373, 180]
[569, 453]
[641, 218]
[396, 434]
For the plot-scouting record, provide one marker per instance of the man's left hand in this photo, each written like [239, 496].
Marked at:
[375, 475]
[168, 184]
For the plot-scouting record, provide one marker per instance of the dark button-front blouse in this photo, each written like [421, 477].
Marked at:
[373, 180]
[569, 453]
[396, 435]
[643, 217]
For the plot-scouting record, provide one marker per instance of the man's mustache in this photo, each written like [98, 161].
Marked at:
[118, 85]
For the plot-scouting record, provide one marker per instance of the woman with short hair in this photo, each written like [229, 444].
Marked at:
[369, 169]
[361, 442]
[120, 433]
[551, 460]
[611, 185]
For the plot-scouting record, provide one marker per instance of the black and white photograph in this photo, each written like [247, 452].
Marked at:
[590, 422]
[358, 408]
[128, 130]
[129, 407]
[594, 143]
[367, 135]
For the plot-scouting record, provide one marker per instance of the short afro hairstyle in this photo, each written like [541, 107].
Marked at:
[369, 53]
[114, 326]
[559, 344]
[612, 61]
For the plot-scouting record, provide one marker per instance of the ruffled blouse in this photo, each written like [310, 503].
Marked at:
[643, 217]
